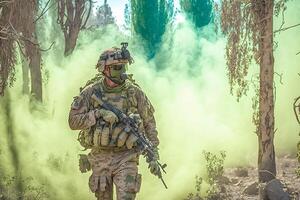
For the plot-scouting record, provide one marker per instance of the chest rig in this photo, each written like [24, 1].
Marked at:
[102, 135]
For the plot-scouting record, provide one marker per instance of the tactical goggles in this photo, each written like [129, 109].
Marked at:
[117, 67]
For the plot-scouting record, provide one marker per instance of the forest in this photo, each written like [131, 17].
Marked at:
[222, 75]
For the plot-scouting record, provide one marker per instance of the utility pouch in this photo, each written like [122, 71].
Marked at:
[97, 136]
[105, 136]
[122, 139]
[131, 141]
[138, 182]
[84, 164]
[85, 138]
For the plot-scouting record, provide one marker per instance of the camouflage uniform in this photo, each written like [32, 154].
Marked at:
[112, 160]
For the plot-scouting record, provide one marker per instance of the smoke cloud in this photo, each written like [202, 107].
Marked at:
[190, 93]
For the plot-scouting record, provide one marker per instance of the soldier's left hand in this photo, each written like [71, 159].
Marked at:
[154, 168]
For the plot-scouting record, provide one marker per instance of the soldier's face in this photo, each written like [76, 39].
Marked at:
[116, 71]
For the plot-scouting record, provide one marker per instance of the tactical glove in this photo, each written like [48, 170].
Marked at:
[136, 117]
[153, 165]
[154, 168]
[107, 116]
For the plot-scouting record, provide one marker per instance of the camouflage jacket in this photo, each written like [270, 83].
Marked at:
[129, 98]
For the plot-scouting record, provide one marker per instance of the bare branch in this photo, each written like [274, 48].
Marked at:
[21, 48]
[73, 17]
[17, 37]
[286, 28]
[280, 77]
[48, 47]
[45, 10]
[297, 106]
[6, 2]
[88, 14]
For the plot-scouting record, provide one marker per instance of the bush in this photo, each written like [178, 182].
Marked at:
[12, 188]
[215, 171]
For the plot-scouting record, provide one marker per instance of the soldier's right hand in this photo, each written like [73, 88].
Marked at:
[107, 116]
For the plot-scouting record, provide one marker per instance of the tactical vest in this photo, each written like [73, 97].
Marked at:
[103, 136]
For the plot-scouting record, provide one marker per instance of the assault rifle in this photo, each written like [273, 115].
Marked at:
[144, 146]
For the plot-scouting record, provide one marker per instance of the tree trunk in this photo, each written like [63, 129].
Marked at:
[35, 73]
[12, 143]
[70, 41]
[33, 55]
[105, 10]
[25, 75]
[72, 25]
[266, 154]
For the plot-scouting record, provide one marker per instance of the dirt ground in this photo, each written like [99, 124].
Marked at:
[238, 180]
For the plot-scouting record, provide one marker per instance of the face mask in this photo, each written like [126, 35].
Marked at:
[116, 72]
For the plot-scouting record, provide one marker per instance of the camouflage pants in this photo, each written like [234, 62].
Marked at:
[119, 168]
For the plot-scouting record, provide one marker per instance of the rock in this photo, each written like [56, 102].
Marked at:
[290, 156]
[223, 189]
[251, 189]
[197, 198]
[241, 172]
[234, 180]
[274, 190]
[239, 183]
[286, 165]
[224, 180]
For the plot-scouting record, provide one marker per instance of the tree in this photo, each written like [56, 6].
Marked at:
[249, 27]
[18, 26]
[72, 17]
[149, 20]
[198, 11]
[104, 15]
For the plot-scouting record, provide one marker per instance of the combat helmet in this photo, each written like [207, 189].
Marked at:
[114, 56]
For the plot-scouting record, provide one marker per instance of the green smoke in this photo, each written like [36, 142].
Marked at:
[194, 110]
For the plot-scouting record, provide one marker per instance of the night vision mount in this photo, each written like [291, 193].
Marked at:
[120, 54]
[125, 52]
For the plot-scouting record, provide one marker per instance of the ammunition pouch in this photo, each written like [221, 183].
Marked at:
[135, 185]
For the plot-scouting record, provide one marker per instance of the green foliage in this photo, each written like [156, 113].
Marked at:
[215, 171]
[298, 172]
[198, 11]
[104, 16]
[214, 166]
[9, 189]
[149, 20]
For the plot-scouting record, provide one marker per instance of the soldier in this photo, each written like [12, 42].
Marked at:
[113, 157]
